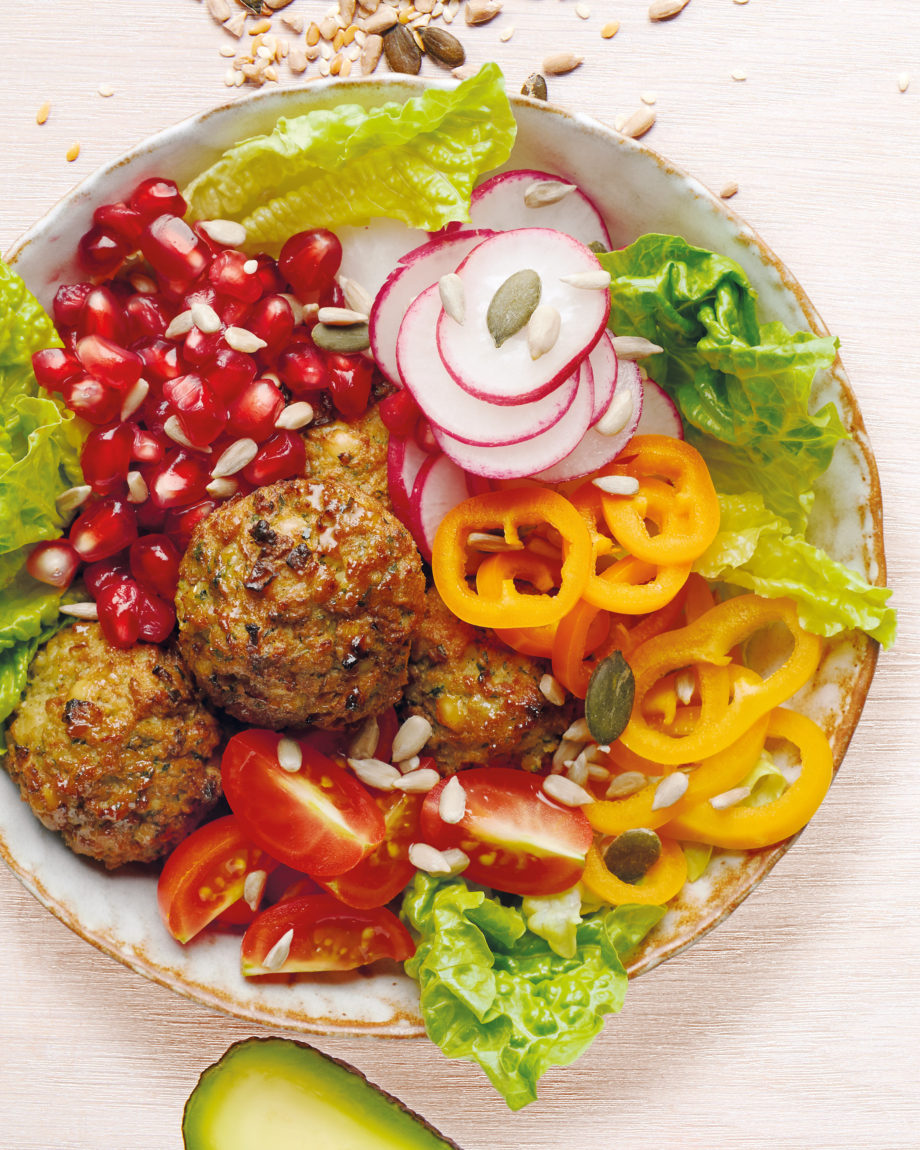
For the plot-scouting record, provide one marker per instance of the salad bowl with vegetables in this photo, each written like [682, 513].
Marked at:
[620, 450]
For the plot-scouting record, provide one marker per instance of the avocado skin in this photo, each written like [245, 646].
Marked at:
[314, 1073]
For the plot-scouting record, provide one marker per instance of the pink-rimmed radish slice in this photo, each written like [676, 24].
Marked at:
[596, 450]
[659, 412]
[404, 461]
[519, 460]
[508, 374]
[370, 253]
[498, 203]
[445, 403]
[439, 486]
[605, 367]
[420, 268]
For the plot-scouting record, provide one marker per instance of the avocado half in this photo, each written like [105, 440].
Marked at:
[283, 1094]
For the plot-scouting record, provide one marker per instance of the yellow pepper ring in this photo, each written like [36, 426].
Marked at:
[660, 883]
[748, 828]
[635, 587]
[707, 641]
[712, 776]
[510, 510]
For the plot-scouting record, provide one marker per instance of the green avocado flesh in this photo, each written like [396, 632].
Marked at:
[277, 1094]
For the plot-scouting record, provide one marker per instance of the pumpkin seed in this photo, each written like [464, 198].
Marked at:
[535, 87]
[443, 46]
[513, 304]
[609, 701]
[598, 247]
[632, 854]
[401, 51]
[351, 338]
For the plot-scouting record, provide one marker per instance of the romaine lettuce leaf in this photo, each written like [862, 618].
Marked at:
[29, 616]
[494, 992]
[415, 162]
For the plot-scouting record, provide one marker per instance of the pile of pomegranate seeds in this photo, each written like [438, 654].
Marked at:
[195, 365]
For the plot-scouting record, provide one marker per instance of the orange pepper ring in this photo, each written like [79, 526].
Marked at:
[661, 882]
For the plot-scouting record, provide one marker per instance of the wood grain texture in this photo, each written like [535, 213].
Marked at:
[795, 1025]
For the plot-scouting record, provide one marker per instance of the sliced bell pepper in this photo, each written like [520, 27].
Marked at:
[706, 643]
[511, 510]
[661, 882]
[741, 827]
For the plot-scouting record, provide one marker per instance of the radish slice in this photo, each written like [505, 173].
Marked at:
[419, 269]
[508, 374]
[404, 461]
[447, 405]
[517, 460]
[596, 450]
[498, 203]
[370, 253]
[659, 412]
[439, 487]
[604, 365]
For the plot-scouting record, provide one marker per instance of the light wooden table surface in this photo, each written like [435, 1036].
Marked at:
[795, 1024]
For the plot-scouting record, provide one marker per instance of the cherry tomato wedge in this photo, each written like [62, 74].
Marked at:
[385, 871]
[518, 839]
[317, 819]
[319, 933]
[205, 875]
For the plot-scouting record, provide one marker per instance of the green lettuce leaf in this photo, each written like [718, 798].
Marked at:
[416, 162]
[29, 616]
[494, 992]
[759, 551]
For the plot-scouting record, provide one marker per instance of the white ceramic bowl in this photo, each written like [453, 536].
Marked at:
[638, 192]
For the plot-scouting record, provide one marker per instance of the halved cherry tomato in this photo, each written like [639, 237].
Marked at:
[518, 839]
[205, 875]
[387, 870]
[319, 933]
[318, 819]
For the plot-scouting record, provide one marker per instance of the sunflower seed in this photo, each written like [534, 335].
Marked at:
[218, 10]
[558, 63]
[666, 9]
[903, 81]
[634, 347]
[582, 11]
[616, 484]
[295, 416]
[253, 888]
[577, 770]
[356, 297]
[590, 281]
[371, 52]
[482, 11]
[402, 53]
[236, 25]
[622, 786]
[564, 753]
[226, 232]
[670, 790]
[684, 686]
[134, 399]
[552, 690]
[375, 773]
[411, 737]
[340, 316]
[290, 756]
[443, 47]
[364, 744]
[546, 192]
[543, 330]
[205, 318]
[487, 542]
[564, 791]
[418, 782]
[173, 429]
[73, 498]
[351, 338]
[181, 324]
[137, 487]
[222, 488]
[729, 798]
[278, 955]
[617, 415]
[452, 803]
[237, 456]
[535, 87]
[242, 340]
[637, 123]
[432, 861]
[80, 610]
[453, 297]
[381, 21]
[411, 764]
[578, 732]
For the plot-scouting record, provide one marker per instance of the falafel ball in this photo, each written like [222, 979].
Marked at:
[113, 748]
[297, 604]
[482, 699]
[352, 451]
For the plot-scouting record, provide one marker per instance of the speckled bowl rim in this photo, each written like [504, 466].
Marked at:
[403, 1020]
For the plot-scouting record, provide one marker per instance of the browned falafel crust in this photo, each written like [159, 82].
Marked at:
[297, 604]
[113, 748]
[482, 699]
[352, 451]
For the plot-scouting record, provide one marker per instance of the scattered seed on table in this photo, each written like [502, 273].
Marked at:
[582, 11]
[72, 152]
[903, 84]
[666, 9]
[610, 29]
[105, 90]
[506, 35]
[41, 116]
[730, 189]
[558, 63]
[739, 74]
[648, 97]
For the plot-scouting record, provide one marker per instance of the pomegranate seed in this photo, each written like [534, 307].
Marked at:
[149, 516]
[101, 251]
[155, 197]
[302, 368]
[121, 219]
[282, 457]
[104, 529]
[53, 562]
[153, 414]
[228, 373]
[146, 315]
[200, 347]
[53, 367]
[200, 413]
[119, 618]
[333, 296]
[254, 411]
[271, 279]
[227, 275]
[178, 480]
[160, 358]
[68, 304]
[106, 457]
[272, 319]
[106, 361]
[102, 315]
[154, 561]
[350, 378]
[106, 571]
[147, 447]
[156, 619]
[180, 524]
[309, 261]
[173, 249]
[92, 400]
[399, 413]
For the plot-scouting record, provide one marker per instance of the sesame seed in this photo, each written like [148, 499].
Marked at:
[106, 90]
[582, 11]
[72, 152]
[610, 29]
[41, 116]
[739, 74]
[730, 189]
[903, 83]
